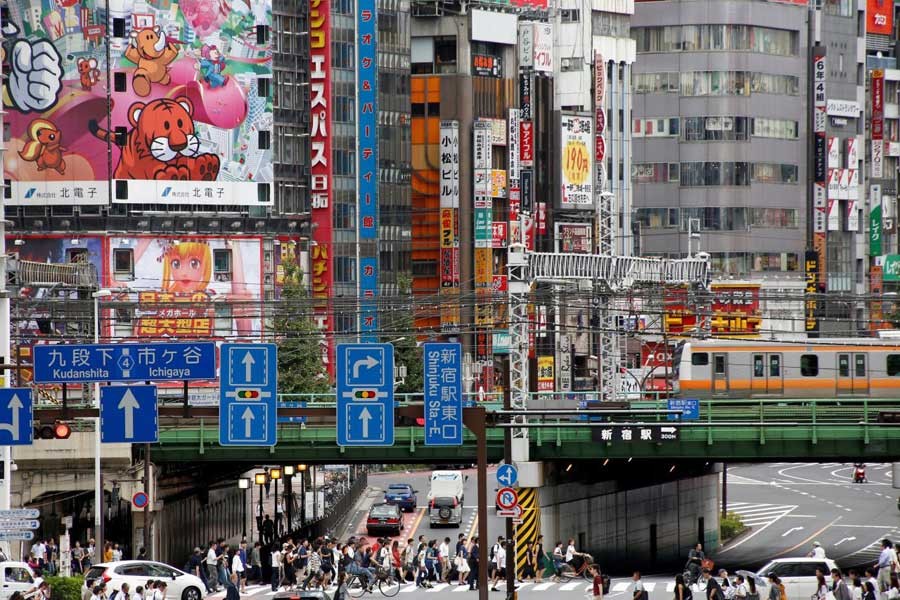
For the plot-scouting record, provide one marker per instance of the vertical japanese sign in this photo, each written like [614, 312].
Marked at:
[443, 395]
[449, 215]
[514, 174]
[877, 125]
[564, 360]
[875, 245]
[811, 290]
[368, 285]
[367, 158]
[321, 276]
[599, 121]
[576, 161]
[820, 158]
[545, 377]
[483, 253]
[526, 149]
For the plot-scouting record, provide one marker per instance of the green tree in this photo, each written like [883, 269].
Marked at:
[399, 324]
[300, 366]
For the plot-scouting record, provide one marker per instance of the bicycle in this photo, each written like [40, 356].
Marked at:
[387, 585]
[569, 573]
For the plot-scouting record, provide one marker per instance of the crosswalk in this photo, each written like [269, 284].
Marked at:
[760, 515]
[870, 553]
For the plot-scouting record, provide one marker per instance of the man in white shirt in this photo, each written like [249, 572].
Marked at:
[39, 552]
[885, 561]
[237, 566]
[276, 568]
[500, 565]
[637, 588]
[444, 555]
[212, 568]
[817, 552]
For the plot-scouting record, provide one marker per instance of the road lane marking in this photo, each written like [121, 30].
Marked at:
[569, 586]
[620, 587]
[472, 529]
[439, 586]
[809, 539]
[542, 586]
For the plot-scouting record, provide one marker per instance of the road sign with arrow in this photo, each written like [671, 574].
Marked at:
[248, 386]
[129, 414]
[365, 394]
[16, 414]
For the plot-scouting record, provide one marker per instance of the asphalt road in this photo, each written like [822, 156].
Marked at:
[790, 505]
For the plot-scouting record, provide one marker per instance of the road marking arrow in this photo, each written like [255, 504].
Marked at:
[248, 418]
[248, 363]
[791, 530]
[128, 404]
[365, 416]
[846, 539]
[368, 362]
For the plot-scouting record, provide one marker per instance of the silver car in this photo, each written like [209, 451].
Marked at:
[445, 510]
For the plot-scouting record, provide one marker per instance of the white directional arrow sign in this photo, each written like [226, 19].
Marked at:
[15, 406]
[368, 362]
[846, 539]
[248, 363]
[128, 404]
[20, 513]
[365, 416]
[9, 525]
[248, 417]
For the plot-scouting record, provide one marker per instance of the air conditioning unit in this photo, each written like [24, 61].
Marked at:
[565, 64]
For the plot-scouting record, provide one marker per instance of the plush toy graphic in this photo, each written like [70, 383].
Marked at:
[34, 73]
[88, 73]
[43, 147]
[152, 55]
[162, 143]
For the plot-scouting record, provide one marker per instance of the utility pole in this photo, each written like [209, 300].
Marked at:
[510, 535]
[6, 491]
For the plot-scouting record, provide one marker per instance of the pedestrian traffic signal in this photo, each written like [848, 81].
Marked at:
[58, 431]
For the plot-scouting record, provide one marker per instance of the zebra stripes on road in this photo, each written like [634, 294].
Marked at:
[760, 514]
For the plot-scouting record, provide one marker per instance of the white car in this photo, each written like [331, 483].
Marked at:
[16, 577]
[797, 574]
[179, 585]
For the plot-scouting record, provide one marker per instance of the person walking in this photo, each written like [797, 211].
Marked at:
[682, 589]
[212, 568]
[276, 567]
[541, 562]
[237, 568]
[77, 559]
[528, 571]
[474, 555]
[596, 582]
[638, 592]
[444, 560]
[776, 588]
[821, 587]
[839, 586]
[499, 564]
[869, 591]
[268, 531]
[884, 565]
[256, 562]
[231, 590]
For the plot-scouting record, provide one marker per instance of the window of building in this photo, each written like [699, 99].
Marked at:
[656, 127]
[223, 319]
[809, 365]
[838, 8]
[658, 218]
[689, 38]
[222, 264]
[776, 128]
[654, 172]
[570, 15]
[893, 365]
[344, 269]
[77, 255]
[123, 263]
[445, 54]
[708, 129]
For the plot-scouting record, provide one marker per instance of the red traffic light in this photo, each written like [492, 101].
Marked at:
[61, 431]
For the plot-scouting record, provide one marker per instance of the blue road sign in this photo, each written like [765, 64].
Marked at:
[507, 475]
[248, 388]
[16, 414]
[443, 395]
[86, 363]
[365, 394]
[689, 406]
[129, 414]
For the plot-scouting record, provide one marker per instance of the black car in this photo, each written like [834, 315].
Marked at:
[384, 518]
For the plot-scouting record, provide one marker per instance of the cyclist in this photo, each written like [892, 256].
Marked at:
[695, 562]
[559, 560]
[573, 557]
[353, 566]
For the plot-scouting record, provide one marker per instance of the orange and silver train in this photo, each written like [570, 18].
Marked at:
[807, 369]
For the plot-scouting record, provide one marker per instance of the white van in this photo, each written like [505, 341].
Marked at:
[16, 576]
[447, 484]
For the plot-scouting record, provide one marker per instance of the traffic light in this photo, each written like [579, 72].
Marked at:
[58, 431]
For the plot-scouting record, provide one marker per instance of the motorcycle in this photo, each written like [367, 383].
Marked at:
[859, 474]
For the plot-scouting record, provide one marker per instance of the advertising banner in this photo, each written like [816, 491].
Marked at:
[542, 217]
[891, 267]
[812, 269]
[576, 161]
[487, 65]
[525, 85]
[366, 120]
[499, 234]
[527, 191]
[448, 239]
[834, 152]
[852, 215]
[843, 184]
[513, 147]
[736, 310]
[599, 120]
[526, 44]
[172, 59]
[498, 183]
[852, 153]
[834, 214]
[368, 289]
[526, 143]
[545, 378]
[877, 123]
[875, 243]
[822, 188]
[564, 360]
[880, 17]
[574, 238]
[820, 207]
[449, 164]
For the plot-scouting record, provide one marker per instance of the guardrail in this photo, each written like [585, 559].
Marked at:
[332, 515]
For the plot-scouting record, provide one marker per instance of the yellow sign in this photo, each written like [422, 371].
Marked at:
[576, 162]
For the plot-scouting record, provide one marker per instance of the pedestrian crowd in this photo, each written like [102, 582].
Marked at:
[154, 589]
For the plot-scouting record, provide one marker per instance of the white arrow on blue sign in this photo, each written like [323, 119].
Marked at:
[20, 513]
[20, 524]
[129, 414]
[248, 390]
[12, 536]
[16, 415]
[365, 394]
[507, 475]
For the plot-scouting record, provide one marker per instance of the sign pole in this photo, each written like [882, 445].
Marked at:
[6, 493]
[148, 538]
[98, 477]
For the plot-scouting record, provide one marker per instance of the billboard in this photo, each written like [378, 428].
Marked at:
[735, 310]
[811, 309]
[576, 161]
[191, 114]
[536, 46]
[880, 17]
[877, 124]
[575, 238]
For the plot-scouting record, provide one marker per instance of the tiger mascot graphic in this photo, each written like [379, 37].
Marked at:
[162, 143]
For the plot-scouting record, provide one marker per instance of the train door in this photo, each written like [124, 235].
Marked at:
[852, 373]
[720, 373]
[767, 373]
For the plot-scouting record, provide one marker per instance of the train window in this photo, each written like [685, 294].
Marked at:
[758, 366]
[720, 364]
[860, 365]
[809, 365]
[701, 359]
[843, 365]
[775, 365]
[893, 365]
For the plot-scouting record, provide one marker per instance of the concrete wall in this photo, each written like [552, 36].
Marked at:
[616, 525]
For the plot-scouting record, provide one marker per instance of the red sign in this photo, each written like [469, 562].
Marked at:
[880, 17]
[735, 310]
[498, 234]
[655, 355]
[526, 143]
[542, 217]
[140, 500]
[507, 498]
[877, 104]
[599, 147]
[500, 284]
[321, 276]
[529, 232]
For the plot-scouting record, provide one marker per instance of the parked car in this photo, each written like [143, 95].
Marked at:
[401, 494]
[797, 574]
[445, 510]
[16, 576]
[384, 518]
[179, 585]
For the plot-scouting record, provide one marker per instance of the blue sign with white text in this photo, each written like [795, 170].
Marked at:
[248, 390]
[88, 363]
[690, 408]
[368, 289]
[443, 394]
[365, 394]
[129, 414]
[16, 414]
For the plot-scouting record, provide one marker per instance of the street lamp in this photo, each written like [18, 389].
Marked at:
[244, 484]
[98, 477]
[289, 496]
[260, 480]
[302, 470]
[275, 475]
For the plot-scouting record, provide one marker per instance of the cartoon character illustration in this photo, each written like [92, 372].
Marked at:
[162, 143]
[212, 65]
[88, 72]
[43, 147]
[187, 268]
[35, 72]
[152, 55]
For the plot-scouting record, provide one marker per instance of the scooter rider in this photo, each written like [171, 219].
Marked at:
[695, 561]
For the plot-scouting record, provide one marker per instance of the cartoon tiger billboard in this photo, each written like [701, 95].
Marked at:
[138, 101]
